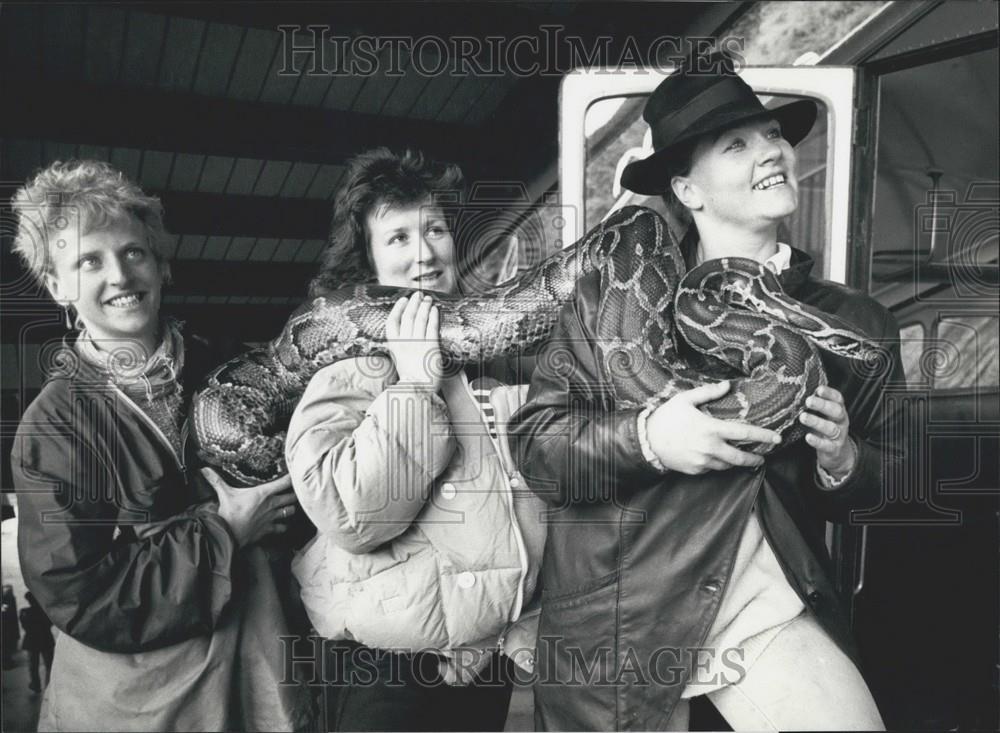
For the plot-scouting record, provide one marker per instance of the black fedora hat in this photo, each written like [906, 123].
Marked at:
[692, 102]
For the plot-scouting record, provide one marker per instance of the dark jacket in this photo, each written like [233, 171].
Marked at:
[37, 629]
[637, 562]
[92, 472]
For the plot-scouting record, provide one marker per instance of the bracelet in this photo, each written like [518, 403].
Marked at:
[828, 479]
[647, 449]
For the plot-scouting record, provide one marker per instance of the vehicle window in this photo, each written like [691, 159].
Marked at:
[617, 134]
[934, 225]
[911, 349]
[973, 341]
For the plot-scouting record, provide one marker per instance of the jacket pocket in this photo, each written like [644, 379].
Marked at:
[576, 661]
[568, 597]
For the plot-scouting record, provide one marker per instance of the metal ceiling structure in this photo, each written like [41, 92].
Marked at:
[215, 108]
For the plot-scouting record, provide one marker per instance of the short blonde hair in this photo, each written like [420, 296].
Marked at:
[90, 192]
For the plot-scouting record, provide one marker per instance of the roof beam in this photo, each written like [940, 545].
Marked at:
[224, 277]
[215, 214]
[134, 117]
[404, 18]
[232, 322]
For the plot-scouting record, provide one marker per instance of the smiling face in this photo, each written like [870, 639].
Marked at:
[112, 279]
[743, 178]
[412, 247]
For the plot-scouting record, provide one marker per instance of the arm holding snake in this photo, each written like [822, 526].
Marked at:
[361, 475]
[365, 451]
[569, 416]
[685, 439]
[570, 420]
[730, 310]
[871, 425]
[829, 435]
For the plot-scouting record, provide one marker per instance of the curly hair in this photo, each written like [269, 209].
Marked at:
[376, 178]
[90, 193]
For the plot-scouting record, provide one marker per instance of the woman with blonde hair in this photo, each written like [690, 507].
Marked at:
[125, 546]
[700, 563]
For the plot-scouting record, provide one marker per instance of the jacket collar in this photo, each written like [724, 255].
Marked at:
[797, 274]
[125, 369]
[792, 279]
[77, 358]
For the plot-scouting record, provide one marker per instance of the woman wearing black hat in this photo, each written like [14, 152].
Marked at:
[707, 572]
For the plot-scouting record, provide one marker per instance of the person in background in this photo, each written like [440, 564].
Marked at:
[702, 566]
[11, 631]
[125, 546]
[38, 641]
[426, 540]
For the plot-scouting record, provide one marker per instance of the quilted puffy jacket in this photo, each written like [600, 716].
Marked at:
[426, 537]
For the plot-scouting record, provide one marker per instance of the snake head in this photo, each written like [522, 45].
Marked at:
[840, 344]
[850, 346]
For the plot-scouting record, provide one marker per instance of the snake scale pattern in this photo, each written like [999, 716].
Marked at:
[661, 331]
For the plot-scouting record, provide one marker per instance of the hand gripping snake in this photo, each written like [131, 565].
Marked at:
[732, 317]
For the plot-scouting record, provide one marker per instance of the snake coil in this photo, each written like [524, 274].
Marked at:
[660, 331]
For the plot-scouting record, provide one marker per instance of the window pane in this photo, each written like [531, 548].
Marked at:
[934, 233]
[912, 349]
[614, 127]
[937, 157]
[975, 343]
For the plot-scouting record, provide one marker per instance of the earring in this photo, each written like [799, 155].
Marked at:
[66, 319]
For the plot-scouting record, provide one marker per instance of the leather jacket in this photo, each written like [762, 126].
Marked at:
[637, 561]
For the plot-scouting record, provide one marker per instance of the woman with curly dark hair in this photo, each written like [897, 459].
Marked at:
[426, 551]
[381, 179]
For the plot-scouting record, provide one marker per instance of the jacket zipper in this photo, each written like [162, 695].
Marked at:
[149, 421]
[522, 550]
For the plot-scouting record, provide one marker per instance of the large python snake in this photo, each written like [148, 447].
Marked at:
[733, 319]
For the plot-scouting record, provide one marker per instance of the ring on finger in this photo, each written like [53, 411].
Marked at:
[836, 434]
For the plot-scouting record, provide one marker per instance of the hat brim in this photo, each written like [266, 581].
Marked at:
[646, 176]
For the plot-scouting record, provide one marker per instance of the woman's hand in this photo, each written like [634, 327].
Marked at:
[414, 340]
[829, 431]
[687, 440]
[254, 512]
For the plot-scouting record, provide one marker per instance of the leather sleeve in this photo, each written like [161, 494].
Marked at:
[571, 444]
[874, 425]
[363, 456]
[79, 505]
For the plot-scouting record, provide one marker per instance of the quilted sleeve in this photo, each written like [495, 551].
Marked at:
[364, 453]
